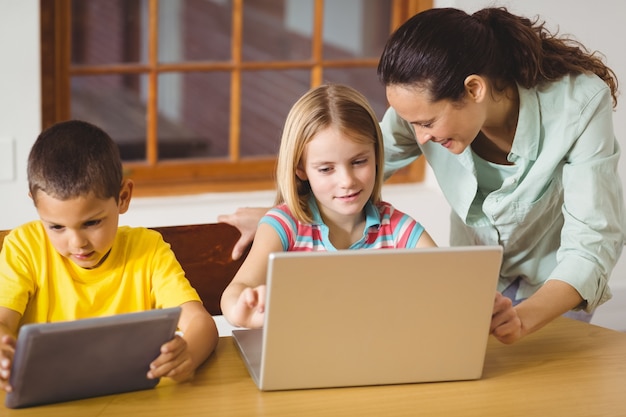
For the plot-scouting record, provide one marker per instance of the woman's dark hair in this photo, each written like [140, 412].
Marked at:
[438, 48]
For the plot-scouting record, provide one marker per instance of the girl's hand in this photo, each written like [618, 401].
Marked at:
[249, 311]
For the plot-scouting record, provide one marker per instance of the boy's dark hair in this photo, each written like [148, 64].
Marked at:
[72, 159]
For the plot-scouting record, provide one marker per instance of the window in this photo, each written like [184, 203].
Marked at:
[195, 92]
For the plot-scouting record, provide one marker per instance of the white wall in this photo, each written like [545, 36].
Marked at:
[20, 124]
[20, 117]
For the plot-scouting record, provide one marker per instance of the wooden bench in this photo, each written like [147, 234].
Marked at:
[3, 233]
[204, 251]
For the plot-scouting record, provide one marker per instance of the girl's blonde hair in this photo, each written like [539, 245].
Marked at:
[330, 105]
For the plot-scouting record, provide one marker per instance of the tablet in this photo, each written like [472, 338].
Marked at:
[70, 360]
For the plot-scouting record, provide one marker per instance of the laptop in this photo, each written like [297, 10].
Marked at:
[70, 360]
[373, 317]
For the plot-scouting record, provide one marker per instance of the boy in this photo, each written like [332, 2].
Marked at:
[75, 262]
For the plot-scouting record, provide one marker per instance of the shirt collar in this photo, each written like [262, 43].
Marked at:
[372, 215]
[527, 133]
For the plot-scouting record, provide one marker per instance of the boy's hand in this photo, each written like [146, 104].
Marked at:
[250, 308]
[7, 350]
[173, 362]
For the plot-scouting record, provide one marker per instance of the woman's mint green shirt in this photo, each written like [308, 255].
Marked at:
[559, 212]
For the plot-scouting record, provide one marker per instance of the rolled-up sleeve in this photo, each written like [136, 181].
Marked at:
[401, 147]
[592, 236]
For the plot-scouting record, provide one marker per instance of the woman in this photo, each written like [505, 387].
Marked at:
[517, 127]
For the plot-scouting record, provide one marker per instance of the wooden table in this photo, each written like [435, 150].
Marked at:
[569, 368]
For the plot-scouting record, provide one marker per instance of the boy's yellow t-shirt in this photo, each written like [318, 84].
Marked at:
[140, 273]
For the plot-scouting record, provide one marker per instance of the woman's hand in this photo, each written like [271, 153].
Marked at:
[506, 326]
[246, 219]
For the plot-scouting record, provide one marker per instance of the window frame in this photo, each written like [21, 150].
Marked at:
[154, 177]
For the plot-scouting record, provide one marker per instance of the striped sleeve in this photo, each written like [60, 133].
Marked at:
[405, 230]
[283, 223]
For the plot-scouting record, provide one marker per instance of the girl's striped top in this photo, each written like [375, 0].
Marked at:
[385, 227]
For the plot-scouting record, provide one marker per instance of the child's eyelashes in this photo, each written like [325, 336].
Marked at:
[330, 169]
[87, 224]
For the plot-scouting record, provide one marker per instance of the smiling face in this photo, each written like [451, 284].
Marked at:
[83, 228]
[450, 124]
[341, 172]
